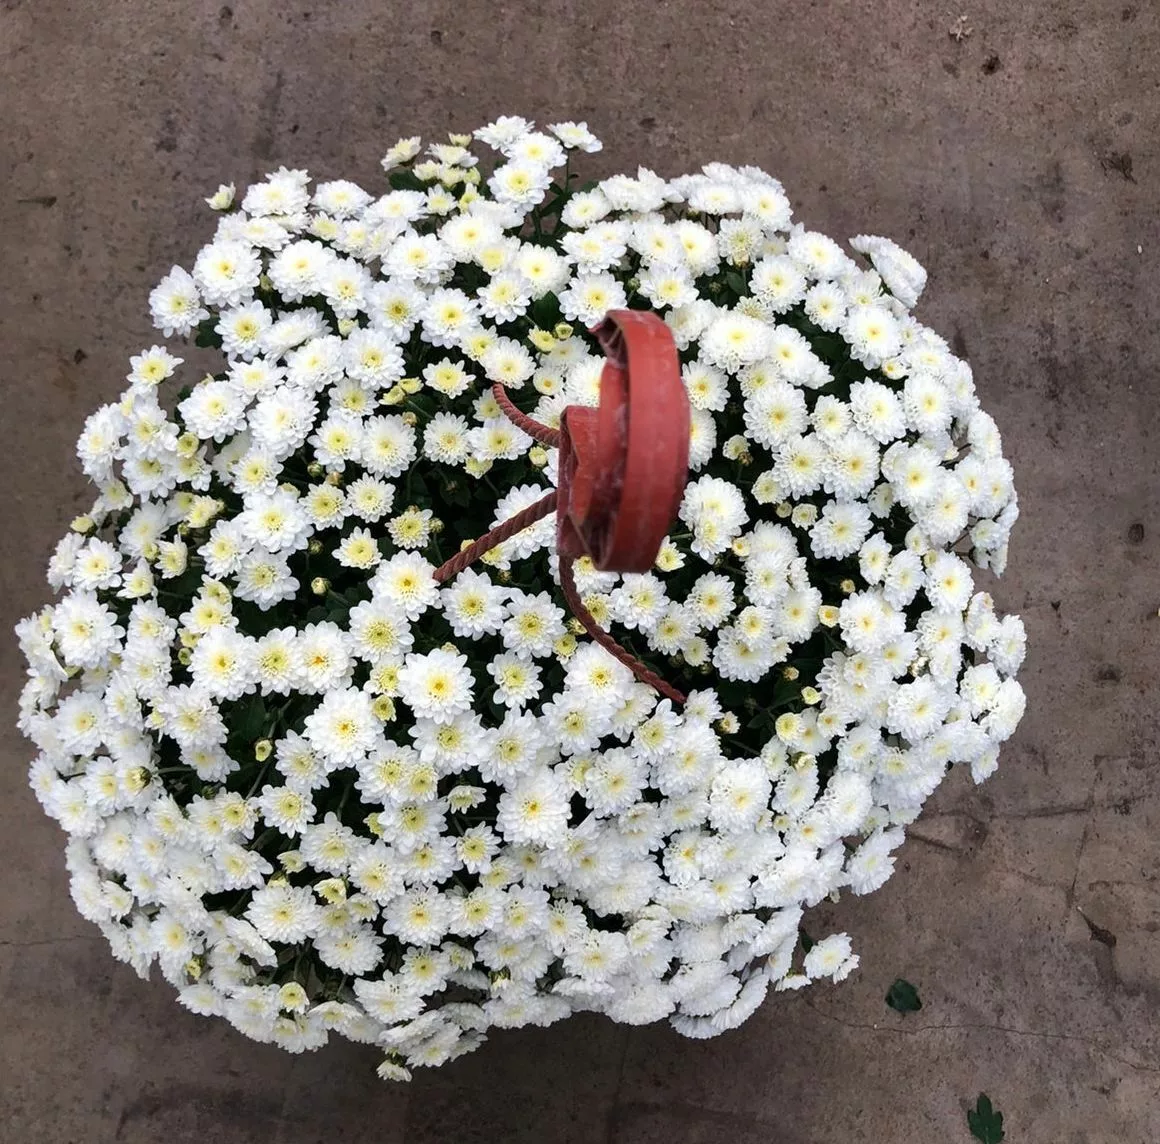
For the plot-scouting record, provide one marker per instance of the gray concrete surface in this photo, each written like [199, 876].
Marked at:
[1020, 164]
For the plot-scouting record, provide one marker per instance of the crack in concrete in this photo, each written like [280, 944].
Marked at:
[1083, 838]
[611, 1126]
[986, 1028]
[50, 941]
[1087, 807]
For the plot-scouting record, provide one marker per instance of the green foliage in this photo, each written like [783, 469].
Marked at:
[985, 1121]
[903, 997]
[403, 179]
[207, 336]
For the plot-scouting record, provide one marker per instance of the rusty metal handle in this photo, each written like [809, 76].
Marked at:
[622, 469]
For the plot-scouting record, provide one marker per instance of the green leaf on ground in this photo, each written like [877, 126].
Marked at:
[903, 997]
[984, 1121]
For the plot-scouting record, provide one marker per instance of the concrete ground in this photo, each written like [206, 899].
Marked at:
[1020, 164]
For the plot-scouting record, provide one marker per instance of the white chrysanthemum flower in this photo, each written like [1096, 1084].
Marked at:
[517, 680]
[175, 303]
[387, 446]
[666, 285]
[535, 810]
[533, 624]
[342, 728]
[445, 439]
[715, 510]
[214, 410]
[543, 269]
[901, 273]
[877, 411]
[405, 579]
[418, 258]
[284, 913]
[226, 273]
[152, 367]
[437, 685]
[801, 465]
[840, 530]
[576, 136]
[775, 413]
[825, 305]
[522, 182]
[734, 341]
[590, 296]
[831, 957]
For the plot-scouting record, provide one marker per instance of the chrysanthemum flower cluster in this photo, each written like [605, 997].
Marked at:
[328, 795]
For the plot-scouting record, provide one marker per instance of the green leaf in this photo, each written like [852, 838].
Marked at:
[736, 283]
[207, 336]
[903, 997]
[252, 719]
[808, 942]
[404, 180]
[985, 1123]
[545, 311]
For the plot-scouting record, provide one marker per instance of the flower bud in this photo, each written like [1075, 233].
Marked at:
[292, 997]
[788, 726]
[137, 779]
[332, 890]
[187, 444]
[223, 198]
[804, 515]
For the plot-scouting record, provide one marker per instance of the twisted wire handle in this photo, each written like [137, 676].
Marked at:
[496, 536]
[542, 433]
[600, 636]
[528, 516]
